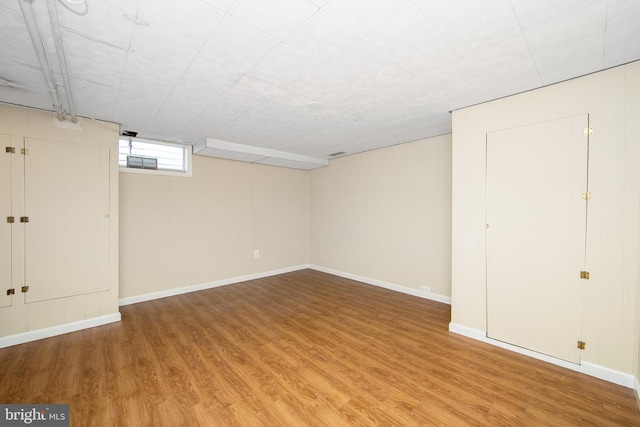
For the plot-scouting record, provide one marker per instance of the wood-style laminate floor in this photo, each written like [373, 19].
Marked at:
[299, 349]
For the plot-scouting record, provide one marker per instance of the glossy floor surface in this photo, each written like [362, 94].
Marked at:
[299, 349]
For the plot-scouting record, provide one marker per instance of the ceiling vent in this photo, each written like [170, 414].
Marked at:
[249, 153]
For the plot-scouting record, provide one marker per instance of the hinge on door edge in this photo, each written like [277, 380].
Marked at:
[586, 196]
[9, 149]
[24, 151]
[11, 291]
[584, 275]
[11, 219]
[25, 289]
[588, 131]
[582, 345]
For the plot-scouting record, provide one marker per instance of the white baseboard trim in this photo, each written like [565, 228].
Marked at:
[391, 286]
[53, 331]
[588, 368]
[200, 287]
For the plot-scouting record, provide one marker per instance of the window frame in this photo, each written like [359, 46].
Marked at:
[188, 154]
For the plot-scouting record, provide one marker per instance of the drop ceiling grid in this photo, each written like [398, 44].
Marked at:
[385, 70]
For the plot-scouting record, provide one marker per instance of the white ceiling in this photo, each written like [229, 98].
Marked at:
[245, 71]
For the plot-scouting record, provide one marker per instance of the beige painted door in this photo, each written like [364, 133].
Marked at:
[67, 202]
[536, 219]
[5, 227]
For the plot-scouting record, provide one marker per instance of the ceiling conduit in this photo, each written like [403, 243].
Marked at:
[57, 37]
[38, 45]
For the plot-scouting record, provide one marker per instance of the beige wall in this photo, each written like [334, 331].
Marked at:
[181, 231]
[386, 215]
[612, 98]
[21, 317]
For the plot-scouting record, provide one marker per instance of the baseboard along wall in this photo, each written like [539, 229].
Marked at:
[588, 368]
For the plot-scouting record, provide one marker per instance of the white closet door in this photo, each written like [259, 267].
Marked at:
[536, 216]
[67, 202]
[5, 227]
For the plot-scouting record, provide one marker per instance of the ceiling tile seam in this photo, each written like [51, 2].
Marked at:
[230, 15]
[606, 27]
[187, 68]
[451, 46]
[128, 51]
[524, 36]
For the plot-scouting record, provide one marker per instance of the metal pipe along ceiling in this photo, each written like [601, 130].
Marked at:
[57, 36]
[45, 66]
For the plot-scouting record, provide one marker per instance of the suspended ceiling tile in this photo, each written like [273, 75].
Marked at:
[538, 13]
[384, 71]
[234, 49]
[13, 29]
[505, 67]
[322, 36]
[167, 48]
[95, 61]
[191, 19]
[99, 23]
[284, 64]
[622, 45]
[565, 61]
[364, 16]
[622, 13]
[23, 85]
[223, 5]
[571, 47]
[411, 41]
[319, 3]
[124, 6]
[93, 99]
[139, 99]
[468, 24]
[589, 22]
[159, 70]
[278, 18]
[622, 39]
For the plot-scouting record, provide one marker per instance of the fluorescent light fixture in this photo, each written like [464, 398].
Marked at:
[249, 153]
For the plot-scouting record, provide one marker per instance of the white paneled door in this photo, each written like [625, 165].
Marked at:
[536, 234]
[5, 226]
[67, 202]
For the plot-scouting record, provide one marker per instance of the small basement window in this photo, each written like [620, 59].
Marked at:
[147, 156]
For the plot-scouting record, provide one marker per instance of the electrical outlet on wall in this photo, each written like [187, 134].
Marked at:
[425, 289]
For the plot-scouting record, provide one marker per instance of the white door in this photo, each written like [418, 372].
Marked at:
[536, 219]
[5, 227]
[67, 202]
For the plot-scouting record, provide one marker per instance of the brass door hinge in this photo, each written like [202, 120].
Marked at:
[9, 149]
[582, 345]
[24, 151]
[25, 289]
[588, 131]
[586, 196]
[11, 291]
[584, 275]
[11, 219]
[24, 219]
